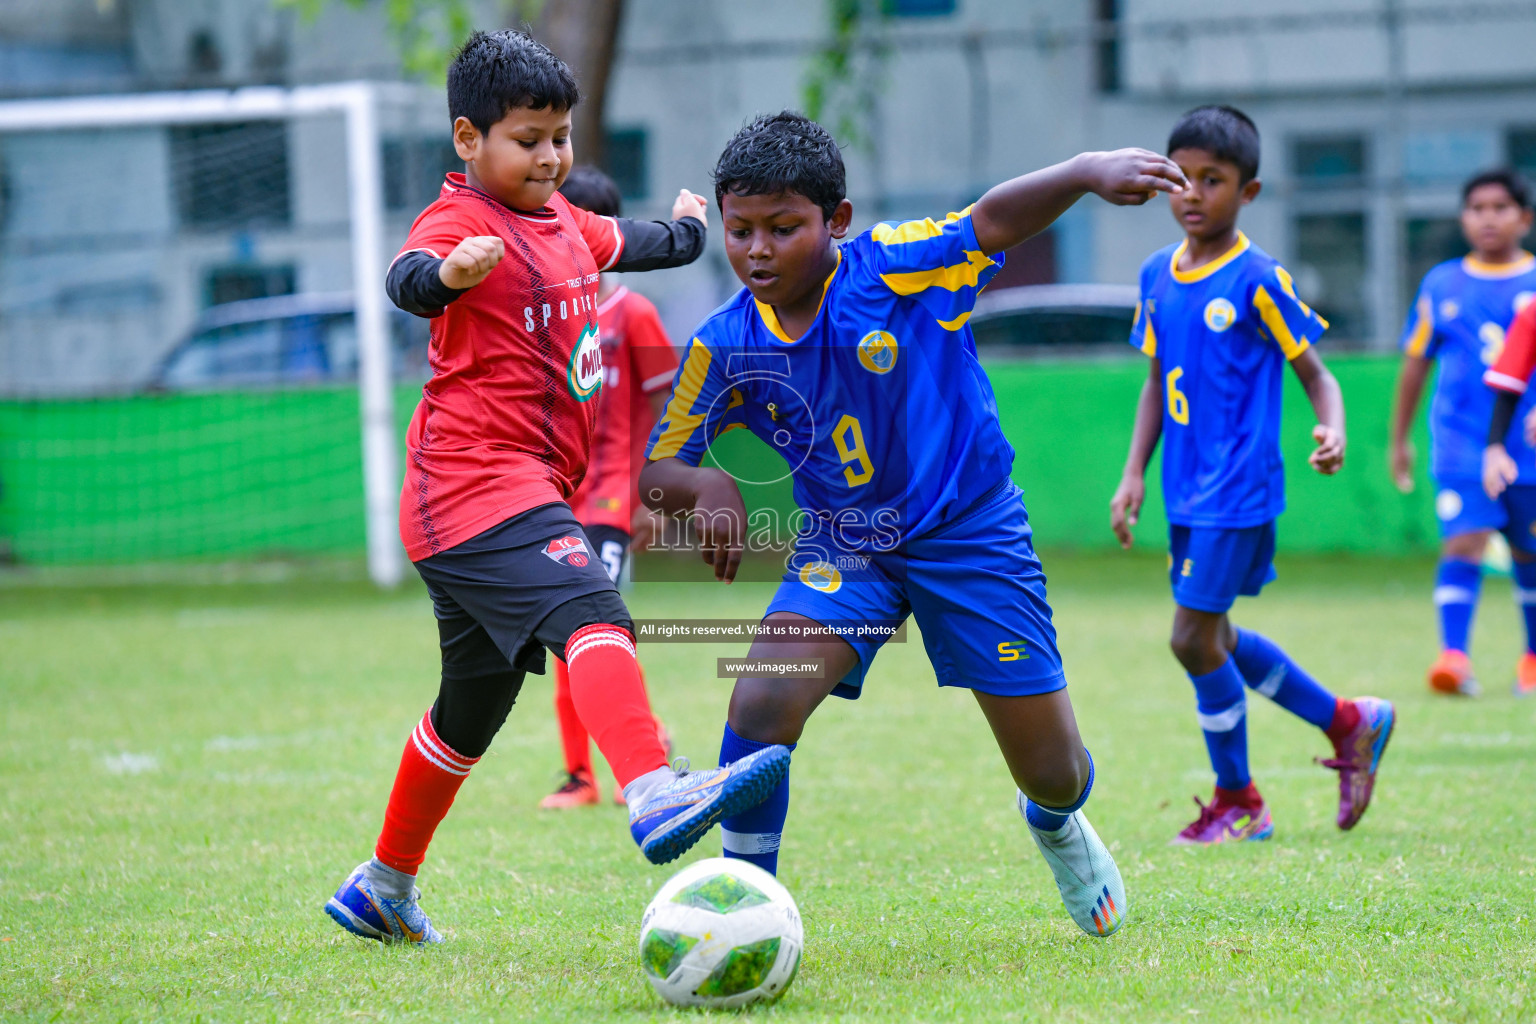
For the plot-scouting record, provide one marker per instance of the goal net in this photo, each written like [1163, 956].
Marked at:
[197, 357]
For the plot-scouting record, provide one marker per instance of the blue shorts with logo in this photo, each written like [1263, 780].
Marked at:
[1210, 567]
[973, 584]
[1462, 506]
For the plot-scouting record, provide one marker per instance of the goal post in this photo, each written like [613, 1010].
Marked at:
[357, 104]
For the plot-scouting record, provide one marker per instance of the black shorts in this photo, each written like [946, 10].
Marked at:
[505, 583]
[612, 547]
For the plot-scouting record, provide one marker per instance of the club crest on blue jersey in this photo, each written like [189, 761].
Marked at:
[1448, 504]
[569, 549]
[822, 576]
[878, 351]
[1220, 314]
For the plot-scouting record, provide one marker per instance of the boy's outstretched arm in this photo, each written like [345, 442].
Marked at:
[1125, 506]
[1400, 453]
[1025, 206]
[1327, 400]
[707, 496]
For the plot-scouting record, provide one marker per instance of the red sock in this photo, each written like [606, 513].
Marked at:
[610, 700]
[1248, 797]
[573, 735]
[430, 775]
[1345, 717]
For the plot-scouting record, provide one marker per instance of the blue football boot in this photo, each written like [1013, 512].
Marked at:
[361, 911]
[668, 820]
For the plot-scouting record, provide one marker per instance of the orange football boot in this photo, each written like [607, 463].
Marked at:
[1452, 674]
[578, 791]
[1525, 675]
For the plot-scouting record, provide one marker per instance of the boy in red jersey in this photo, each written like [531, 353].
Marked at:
[507, 270]
[1510, 377]
[638, 364]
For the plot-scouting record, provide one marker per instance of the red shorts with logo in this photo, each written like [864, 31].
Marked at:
[507, 580]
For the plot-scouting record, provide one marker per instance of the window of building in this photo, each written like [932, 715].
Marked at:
[1330, 269]
[414, 169]
[1429, 241]
[1520, 150]
[1329, 161]
[231, 175]
[626, 158]
[1107, 49]
[247, 281]
[918, 8]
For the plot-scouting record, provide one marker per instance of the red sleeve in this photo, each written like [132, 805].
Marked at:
[1512, 370]
[601, 234]
[441, 227]
[655, 360]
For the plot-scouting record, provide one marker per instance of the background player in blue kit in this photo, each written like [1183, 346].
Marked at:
[1463, 309]
[1219, 319]
[855, 361]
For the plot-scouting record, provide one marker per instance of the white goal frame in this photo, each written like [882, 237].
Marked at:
[358, 103]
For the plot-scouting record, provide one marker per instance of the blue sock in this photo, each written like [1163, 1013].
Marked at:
[1049, 819]
[1223, 714]
[753, 835]
[1525, 597]
[1270, 671]
[1456, 587]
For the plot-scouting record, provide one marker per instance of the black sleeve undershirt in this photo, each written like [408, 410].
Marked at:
[414, 285]
[657, 245]
[1504, 403]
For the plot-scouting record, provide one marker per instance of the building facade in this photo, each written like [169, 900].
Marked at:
[1372, 112]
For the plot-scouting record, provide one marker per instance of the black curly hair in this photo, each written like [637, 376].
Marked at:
[593, 191]
[495, 72]
[1512, 181]
[1225, 132]
[783, 152]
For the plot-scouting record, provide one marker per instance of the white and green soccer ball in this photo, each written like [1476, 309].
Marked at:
[721, 933]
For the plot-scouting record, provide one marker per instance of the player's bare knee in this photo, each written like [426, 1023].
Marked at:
[759, 714]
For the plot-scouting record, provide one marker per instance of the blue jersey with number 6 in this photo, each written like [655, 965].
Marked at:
[880, 409]
[1224, 333]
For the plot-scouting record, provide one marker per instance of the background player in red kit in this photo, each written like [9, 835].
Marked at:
[507, 270]
[638, 364]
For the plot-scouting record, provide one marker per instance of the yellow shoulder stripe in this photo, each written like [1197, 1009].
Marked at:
[961, 275]
[914, 230]
[1423, 327]
[1274, 320]
[1149, 340]
[680, 420]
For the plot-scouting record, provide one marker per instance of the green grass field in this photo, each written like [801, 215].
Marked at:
[189, 771]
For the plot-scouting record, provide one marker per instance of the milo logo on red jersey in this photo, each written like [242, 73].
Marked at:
[571, 550]
[585, 374]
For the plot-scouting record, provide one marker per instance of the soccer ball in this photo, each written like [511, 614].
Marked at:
[721, 933]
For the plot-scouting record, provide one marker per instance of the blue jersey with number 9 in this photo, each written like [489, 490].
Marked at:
[1224, 333]
[880, 409]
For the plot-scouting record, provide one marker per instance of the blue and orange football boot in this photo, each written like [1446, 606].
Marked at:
[1085, 873]
[1357, 755]
[667, 821]
[361, 911]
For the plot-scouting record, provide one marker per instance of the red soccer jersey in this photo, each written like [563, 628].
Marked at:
[1512, 370]
[638, 361]
[505, 423]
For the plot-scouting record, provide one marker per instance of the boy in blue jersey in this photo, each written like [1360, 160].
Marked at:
[1458, 320]
[856, 363]
[1220, 319]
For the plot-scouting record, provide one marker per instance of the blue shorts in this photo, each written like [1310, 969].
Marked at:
[973, 584]
[1462, 506]
[1209, 567]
